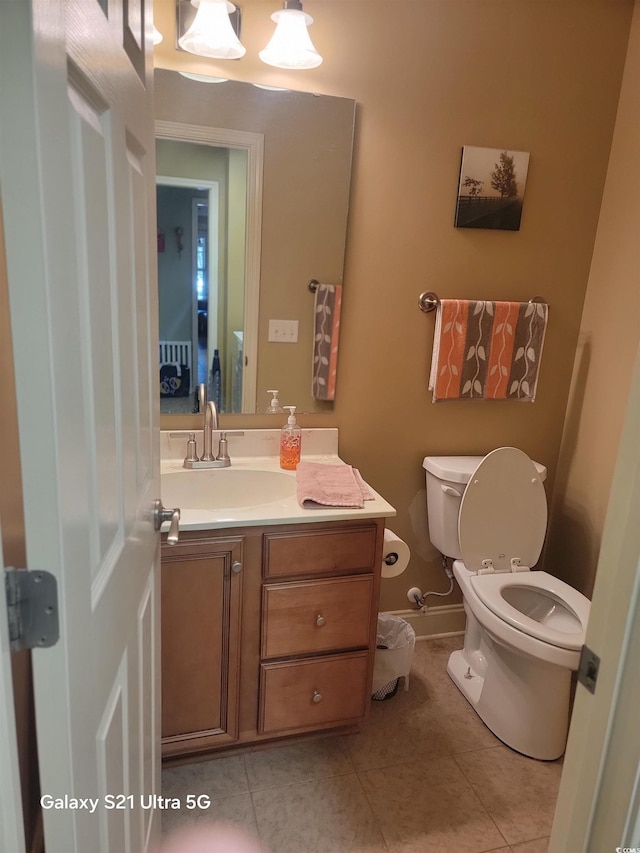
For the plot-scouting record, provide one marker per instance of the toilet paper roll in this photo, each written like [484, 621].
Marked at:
[395, 555]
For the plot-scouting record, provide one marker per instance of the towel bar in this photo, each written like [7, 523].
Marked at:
[314, 284]
[429, 301]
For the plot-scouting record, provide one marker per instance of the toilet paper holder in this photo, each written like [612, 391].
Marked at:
[395, 555]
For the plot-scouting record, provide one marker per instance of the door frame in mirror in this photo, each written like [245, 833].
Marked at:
[212, 189]
[253, 144]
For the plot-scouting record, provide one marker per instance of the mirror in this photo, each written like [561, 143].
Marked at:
[260, 180]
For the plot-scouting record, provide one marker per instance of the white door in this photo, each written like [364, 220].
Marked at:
[77, 181]
[598, 805]
[11, 828]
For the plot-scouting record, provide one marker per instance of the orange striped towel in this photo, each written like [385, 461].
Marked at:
[487, 350]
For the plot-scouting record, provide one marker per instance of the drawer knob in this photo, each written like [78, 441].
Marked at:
[236, 567]
[317, 697]
[320, 620]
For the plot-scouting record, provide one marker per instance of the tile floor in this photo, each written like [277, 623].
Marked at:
[423, 775]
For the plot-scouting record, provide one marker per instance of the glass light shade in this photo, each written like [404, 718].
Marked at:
[291, 45]
[157, 36]
[211, 33]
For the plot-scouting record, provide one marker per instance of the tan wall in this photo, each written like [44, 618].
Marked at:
[542, 77]
[608, 343]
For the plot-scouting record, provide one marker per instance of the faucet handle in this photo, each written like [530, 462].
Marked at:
[223, 446]
[192, 450]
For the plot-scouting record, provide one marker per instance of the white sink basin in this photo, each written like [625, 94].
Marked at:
[225, 488]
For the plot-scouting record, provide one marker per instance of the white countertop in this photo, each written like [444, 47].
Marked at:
[258, 450]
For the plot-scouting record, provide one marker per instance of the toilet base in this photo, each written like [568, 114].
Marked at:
[522, 700]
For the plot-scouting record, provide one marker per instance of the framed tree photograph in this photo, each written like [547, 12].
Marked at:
[491, 188]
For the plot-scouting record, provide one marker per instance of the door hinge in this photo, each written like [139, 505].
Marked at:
[588, 669]
[32, 608]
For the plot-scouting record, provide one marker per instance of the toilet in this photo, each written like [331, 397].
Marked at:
[525, 629]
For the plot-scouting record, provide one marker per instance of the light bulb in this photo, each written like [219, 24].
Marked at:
[291, 45]
[211, 33]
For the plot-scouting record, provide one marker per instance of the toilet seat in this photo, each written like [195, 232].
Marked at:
[567, 629]
[503, 513]
[503, 632]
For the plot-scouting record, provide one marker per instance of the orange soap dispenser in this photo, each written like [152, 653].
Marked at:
[290, 442]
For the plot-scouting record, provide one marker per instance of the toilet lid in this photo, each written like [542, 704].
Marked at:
[503, 513]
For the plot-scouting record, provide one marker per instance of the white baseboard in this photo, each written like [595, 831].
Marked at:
[448, 620]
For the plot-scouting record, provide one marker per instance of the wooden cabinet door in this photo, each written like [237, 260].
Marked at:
[201, 618]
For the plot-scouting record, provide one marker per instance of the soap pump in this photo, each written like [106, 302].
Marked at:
[290, 442]
[274, 406]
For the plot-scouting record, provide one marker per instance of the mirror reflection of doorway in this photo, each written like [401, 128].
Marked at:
[231, 160]
[202, 247]
[188, 288]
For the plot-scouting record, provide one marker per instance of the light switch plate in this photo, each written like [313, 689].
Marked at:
[283, 331]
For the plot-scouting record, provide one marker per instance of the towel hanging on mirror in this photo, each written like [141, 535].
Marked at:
[487, 350]
[326, 308]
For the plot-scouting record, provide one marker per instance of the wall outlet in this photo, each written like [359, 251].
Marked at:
[283, 331]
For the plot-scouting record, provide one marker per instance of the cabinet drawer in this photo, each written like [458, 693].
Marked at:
[319, 552]
[312, 693]
[316, 616]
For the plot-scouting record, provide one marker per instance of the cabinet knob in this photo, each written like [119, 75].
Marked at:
[317, 697]
[320, 620]
[236, 567]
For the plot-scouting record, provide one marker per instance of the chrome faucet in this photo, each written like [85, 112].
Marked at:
[208, 458]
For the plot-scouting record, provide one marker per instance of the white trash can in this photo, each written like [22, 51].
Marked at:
[395, 641]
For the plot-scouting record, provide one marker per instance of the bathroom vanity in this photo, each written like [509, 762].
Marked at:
[269, 616]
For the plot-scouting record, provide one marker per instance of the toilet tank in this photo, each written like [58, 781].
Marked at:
[447, 478]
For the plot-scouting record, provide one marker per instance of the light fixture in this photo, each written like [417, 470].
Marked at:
[290, 45]
[203, 78]
[270, 88]
[211, 33]
[157, 36]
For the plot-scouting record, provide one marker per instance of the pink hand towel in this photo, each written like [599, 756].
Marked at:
[330, 485]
